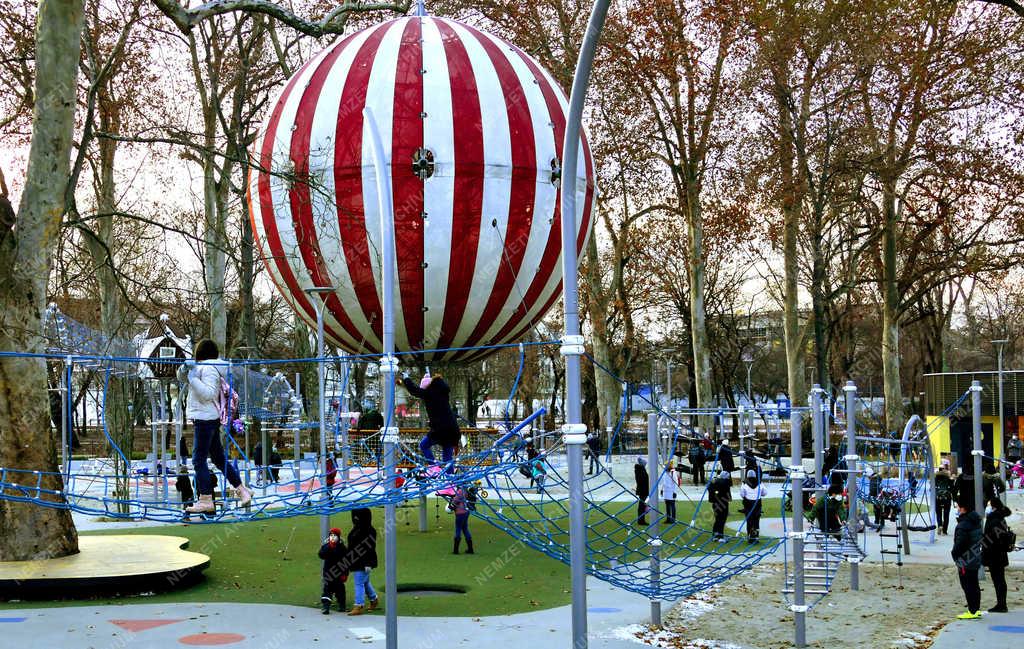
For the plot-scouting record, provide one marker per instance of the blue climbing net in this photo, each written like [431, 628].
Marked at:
[528, 499]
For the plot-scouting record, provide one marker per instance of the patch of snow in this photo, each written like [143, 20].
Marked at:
[645, 635]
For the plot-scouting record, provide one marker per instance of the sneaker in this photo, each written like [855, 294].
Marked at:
[998, 609]
[967, 615]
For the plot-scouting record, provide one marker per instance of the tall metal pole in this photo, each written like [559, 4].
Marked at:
[668, 386]
[817, 421]
[344, 407]
[796, 496]
[1001, 452]
[572, 342]
[977, 452]
[389, 367]
[851, 475]
[653, 529]
[325, 520]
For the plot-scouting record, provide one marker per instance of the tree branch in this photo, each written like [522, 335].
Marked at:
[333, 23]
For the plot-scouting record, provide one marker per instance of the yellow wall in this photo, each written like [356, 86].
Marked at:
[938, 429]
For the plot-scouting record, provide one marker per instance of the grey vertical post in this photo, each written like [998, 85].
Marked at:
[154, 428]
[178, 427]
[298, 438]
[976, 452]
[248, 405]
[344, 406]
[796, 477]
[65, 417]
[741, 420]
[851, 475]
[423, 513]
[389, 365]
[653, 529]
[572, 342]
[817, 441]
[1000, 451]
[319, 301]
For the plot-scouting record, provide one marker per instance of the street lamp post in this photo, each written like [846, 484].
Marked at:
[748, 358]
[324, 291]
[1002, 429]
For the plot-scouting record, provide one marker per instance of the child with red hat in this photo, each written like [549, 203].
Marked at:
[335, 570]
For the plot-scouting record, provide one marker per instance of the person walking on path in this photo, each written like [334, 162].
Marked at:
[720, 495]
[752, 492]
[204, 376]
[335, 573]
[966, 555]
[725, 457]
[943, 497]
[460, 507]
[669, 493]
[362, 558]
[444, 428]
[593, 450]
[996, 543]
[643, 489]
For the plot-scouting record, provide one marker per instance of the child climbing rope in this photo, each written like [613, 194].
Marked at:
[334, 573]
[362, 558]
[460, 507]
[204, 376]
[444, 428]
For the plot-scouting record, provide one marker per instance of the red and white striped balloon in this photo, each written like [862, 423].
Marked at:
[474, 128]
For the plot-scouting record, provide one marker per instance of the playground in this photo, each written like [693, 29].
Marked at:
[434, 415]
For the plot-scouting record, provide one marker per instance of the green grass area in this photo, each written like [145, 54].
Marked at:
[248, 564]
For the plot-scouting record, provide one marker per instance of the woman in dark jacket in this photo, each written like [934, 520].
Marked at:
[994, 550]
[966, 555]
[444, 429]
[362, 558]
[643, 489]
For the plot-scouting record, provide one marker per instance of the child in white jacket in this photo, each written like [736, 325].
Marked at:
[669, 492]
[204, 377]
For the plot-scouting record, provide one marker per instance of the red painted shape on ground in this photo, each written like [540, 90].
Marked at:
[211, 639]
[142, 625]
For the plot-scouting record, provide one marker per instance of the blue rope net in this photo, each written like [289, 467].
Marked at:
[528, 500]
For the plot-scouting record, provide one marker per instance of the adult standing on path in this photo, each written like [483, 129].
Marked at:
[967, 556]
[697, 459]
[444, 429]
[643, 489]
[943, 496]
[996, 543]
[752, 492]
[725, 457]
[720, 495]
[204, 376]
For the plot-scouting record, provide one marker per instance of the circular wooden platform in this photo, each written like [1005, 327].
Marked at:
[104, 565]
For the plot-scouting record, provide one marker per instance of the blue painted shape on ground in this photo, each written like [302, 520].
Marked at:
[12, 620]
[603, 609]
[1003, 628]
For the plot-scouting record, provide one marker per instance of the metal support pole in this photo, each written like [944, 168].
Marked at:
[325, 495]
[389, 367]
[343, 406]
[154, 427]
[1000, 452]
[572, 342]
[653, 530]
[852, 475]
[976, 452]
[796, 482]
[248, 417]
[65, 418]
[423, 513]
[817, 441]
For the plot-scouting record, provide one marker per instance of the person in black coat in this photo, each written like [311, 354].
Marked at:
[362, 558]
[335, 571]
[184, 487]
[726, 462]
[275, 465]
[994, 548]
[593, 450]
[967, 556]
[697, 460]
[720, 495]
[643, 489]
[444, 428]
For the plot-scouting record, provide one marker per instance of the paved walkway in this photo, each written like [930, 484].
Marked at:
[270, 626]
[993, 631]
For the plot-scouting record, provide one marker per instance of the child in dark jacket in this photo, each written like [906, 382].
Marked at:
[362, 558]
[335, 571]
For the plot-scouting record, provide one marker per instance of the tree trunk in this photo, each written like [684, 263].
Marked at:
[890, 315]
[27, 442]
[607, 386]
[698, 324]
[246, 281]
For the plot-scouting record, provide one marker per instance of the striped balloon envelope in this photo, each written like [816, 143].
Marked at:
[473, 128]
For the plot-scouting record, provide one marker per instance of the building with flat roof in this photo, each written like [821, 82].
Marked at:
[951, 433]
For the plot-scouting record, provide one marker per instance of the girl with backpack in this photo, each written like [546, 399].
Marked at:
[204, 376]
[997, 541]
